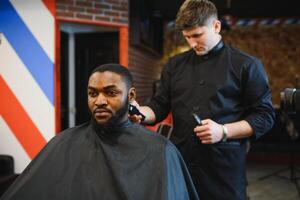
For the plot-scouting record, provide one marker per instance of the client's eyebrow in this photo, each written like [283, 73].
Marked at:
[110, 87]
[105, 88]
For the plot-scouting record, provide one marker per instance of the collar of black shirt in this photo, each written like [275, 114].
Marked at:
[217, 48]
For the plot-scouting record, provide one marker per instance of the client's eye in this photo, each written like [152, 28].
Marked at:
[92, 93]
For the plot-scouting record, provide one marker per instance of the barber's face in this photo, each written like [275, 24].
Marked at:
[203, 38]
[108, 97]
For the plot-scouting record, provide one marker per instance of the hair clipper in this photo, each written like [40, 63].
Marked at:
[134, 111]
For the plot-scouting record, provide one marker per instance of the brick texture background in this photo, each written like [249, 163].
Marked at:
[111, 11]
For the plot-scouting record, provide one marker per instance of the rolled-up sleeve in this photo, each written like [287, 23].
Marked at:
[257, 98]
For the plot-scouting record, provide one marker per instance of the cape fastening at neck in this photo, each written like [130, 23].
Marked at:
[109, 133]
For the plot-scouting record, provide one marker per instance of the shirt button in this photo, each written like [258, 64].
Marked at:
[201, 82]
[205, 57]
[196, 108]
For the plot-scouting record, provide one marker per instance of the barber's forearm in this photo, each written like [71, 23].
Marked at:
[149, 114]
[240, 129]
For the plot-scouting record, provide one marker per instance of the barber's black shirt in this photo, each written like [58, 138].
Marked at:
[225, 85]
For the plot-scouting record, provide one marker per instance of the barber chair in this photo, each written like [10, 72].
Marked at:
[7, 174]
[165, 129]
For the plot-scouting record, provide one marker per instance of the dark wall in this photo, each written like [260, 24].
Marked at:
[145, 69]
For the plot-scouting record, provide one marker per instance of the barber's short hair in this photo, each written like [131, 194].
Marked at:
[195, 13]
[118, 69]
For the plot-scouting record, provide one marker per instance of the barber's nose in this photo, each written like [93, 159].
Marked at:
[193, 43]
[101, 100]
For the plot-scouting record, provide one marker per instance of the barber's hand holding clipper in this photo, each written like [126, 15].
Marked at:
[208, 131]
[134, 113]
[141, 114]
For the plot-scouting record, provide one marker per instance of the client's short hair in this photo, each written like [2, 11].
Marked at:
[118, 69]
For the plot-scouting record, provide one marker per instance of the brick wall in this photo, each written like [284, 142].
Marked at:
[145, 70]
[112, 11]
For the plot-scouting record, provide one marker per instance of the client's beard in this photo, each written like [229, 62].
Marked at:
[114, 122]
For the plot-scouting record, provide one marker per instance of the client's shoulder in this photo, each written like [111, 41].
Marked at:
[69, 133]
[147, 135]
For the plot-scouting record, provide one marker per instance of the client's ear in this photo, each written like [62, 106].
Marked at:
[131, 94]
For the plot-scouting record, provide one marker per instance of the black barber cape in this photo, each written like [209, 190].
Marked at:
[129, 162]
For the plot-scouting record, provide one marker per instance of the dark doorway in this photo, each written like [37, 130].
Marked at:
[64, 80]
[91, 50]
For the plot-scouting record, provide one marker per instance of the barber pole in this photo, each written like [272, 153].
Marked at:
[245, 22]
[27, 115]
